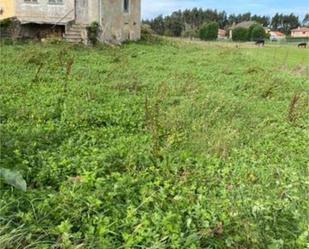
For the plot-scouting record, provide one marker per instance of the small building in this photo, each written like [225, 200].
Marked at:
[244, 24]
[118, 20]
[300, 32]
[276, 36]
[7, 9]
[221, 34]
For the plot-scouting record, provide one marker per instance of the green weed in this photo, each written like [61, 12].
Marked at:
[154, 144]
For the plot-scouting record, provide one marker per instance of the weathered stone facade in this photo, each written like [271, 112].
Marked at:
[120, 25]
[43, 12]
[7, 9]
[117, 24]
[119, 20]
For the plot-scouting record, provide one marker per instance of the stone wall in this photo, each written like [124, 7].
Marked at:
[11, 29]
[7, 9]
[118, 25]
[15, 30]
[43, 12]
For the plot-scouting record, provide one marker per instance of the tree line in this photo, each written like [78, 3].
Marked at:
[189, 22]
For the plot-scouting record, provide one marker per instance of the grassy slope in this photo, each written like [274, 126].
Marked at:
[169, 145]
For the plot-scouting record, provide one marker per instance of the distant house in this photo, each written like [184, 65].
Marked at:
[7, 9]
[119, 20]
[300, 32]
[276, 36]
[221, 34]
[245, 24]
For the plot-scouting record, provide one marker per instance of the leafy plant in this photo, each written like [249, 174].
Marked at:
[209, 31]
[258, 33]
[93, 32]
[240, 34]
[250, 30]
[169, 144]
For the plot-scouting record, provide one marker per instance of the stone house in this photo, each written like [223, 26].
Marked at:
[7, 9]
[119, 20]
[244, 24]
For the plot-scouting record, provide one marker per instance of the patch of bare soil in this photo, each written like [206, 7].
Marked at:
[299, 70]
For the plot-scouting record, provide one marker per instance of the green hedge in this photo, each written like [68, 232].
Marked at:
[240, 34]
[296, 39]
[209, 31]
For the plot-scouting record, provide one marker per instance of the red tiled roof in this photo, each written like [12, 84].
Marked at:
[300, 29]
[277, 33]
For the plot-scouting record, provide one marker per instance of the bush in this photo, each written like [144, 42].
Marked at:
[240, 34]
[190, 33]
[297, 39]
[148, 35]
[250, 30]
[258, 32]
[209, 31]
[147, 30]
[5, 22]
[93, 32]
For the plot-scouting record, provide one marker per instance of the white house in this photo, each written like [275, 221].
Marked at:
[276, 36]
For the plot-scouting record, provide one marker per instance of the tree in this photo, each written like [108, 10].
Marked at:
[285, 23]
[209, 31]
[251, 29]
[245, 17]
[190, 33]
[263, 20]
[258, 32]
[306, 20]
[158, 25]
[240, 34]
[181, 21]
[174, 24]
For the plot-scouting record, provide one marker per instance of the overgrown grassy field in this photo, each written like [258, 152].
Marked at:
[155, 145]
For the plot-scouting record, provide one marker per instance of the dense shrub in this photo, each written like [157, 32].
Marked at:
[258, 32]
[297, 39]
[250, 30]
[146, 29]
[146, 32]
[174, 27]
[93, 32]
[149, 36]
[5, 22]
[190, 33]
[240, 34]
[209, 31]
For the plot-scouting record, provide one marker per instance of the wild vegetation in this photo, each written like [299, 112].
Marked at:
[209, 31]
[159, 144]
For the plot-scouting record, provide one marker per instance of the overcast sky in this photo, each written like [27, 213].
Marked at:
[152, 8]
